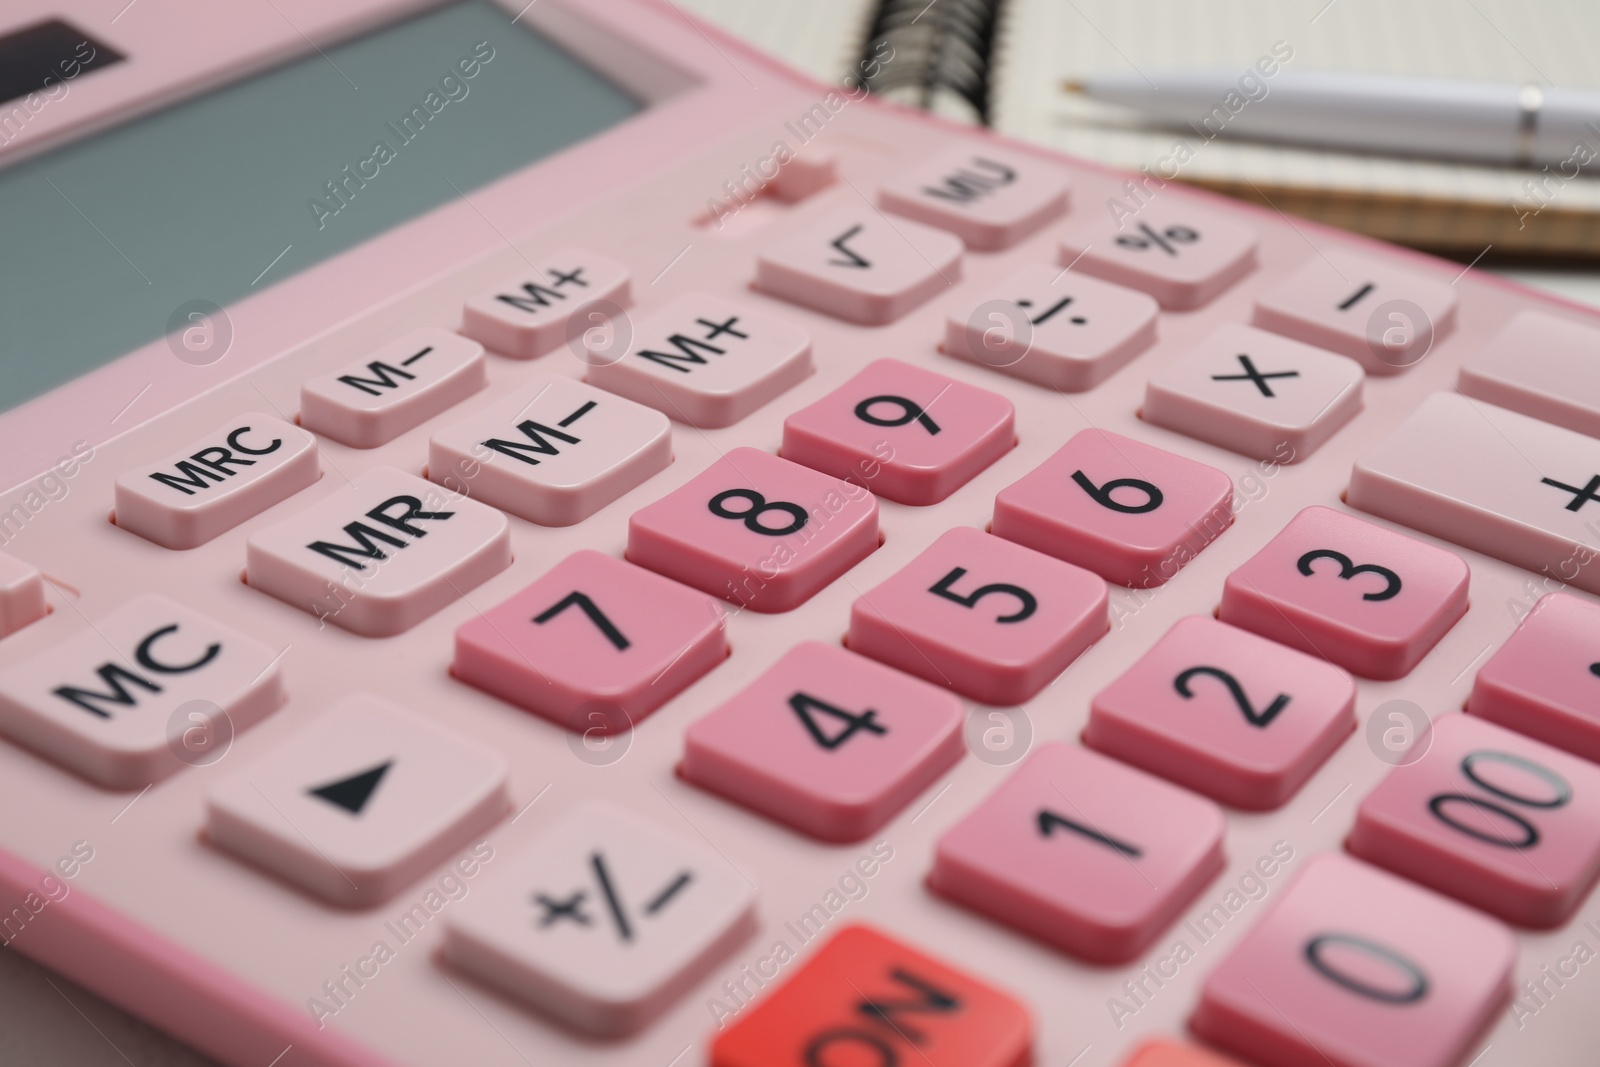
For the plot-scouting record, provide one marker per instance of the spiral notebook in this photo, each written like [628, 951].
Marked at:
[1003, 61]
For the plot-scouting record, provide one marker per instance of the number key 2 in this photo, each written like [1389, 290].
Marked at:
[1239, 718]
[985, 617]
[1369, 599]
[1083, 852]
[1493, 818]
[866, 999]
[757, 530]
[1132, 513]
[595, 645]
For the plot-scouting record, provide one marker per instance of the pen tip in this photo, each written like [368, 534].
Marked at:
[1072, 85]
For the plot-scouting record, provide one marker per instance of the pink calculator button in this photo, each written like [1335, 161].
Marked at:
[757, 530]
[1056, 327]
[1545, 680]
[704, 361]
[233, 473]
[1257, 393]
[397, 386]
[1169, 1054]
[908, 434]
[1239, 718]
[140, 693]
[1369, 599]
[1132, 513]
[1087, 854]
[380, 555]
[1180, 254]
[1385, 317]
[553, 450]
[859, 265]
[21, 595]
[1541, 365]
[594, 645]
[829, 742]
[1498, 820]
[1357, 968]
[533, 311]
[988, 197]
[980, 615]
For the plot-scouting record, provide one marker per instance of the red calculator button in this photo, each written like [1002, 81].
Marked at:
[1384, 316]
[233, 473]
[398, 386]
[858, 265]
[908, 434]
[826, 741]
[1082, 852]
[1179, 254]
[594, 645]
[380, 555]
[1256, 393]
[1239, 718]
[757, 530]
[989, 198]
[1132, 513]
[553, 450]
[1169, 1054]
[1493, 818]
[865, 999]
[704, 361]
[1051, 326]
[1543, 366]
[532, 311]
[1545, 680]
[1369, 599]
[985, 617]
[21, 595]
[1355, 967]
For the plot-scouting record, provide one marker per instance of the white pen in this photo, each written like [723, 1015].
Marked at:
[1528, 125]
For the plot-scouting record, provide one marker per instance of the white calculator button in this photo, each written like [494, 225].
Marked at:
[706, 361]
[528, 313]
[1052, 326]
[554, 451]
[1257, 393]
[859, 265]
[400, 385]
[989, 198]
[1491, 480]
[603, 921]
[233, 473]
[380, 555]
[1543, 366]
[1386, 317]
[21, 595]
[140, 693]
[361, 803]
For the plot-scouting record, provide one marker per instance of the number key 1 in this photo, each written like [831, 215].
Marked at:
[1369, 599]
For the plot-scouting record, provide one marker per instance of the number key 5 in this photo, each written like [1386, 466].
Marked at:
[985, 617]
[1369, 599]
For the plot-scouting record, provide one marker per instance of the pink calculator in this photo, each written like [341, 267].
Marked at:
[534, 534]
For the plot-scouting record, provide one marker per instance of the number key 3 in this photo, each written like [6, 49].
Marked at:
[1369, 599]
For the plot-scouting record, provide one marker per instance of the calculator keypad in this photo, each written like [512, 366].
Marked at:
[988, 197]
[361, 803]
[397, 387]
[990, 619]
[380, 555]
[141, 693]
[536, 309]
[826, 741]
[553, 451]
[233, 473]
[858, 265]
[905, 433]
[704, 361]
[1182, 256]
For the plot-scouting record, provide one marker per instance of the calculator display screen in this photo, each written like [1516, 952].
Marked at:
[103, 240]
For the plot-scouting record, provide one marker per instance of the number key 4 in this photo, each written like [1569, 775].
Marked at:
[1369, 599]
